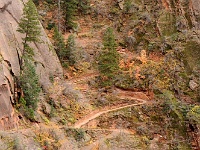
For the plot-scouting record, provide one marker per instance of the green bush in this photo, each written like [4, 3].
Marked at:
[83, 6]
[194, 114]
[50, 1]
[50, 26]
[127, 6]
[36, 2]
[78, 134]
[29, 113]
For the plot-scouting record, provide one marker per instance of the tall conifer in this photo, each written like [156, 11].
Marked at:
[71, 49]
[108, 63]
[60, 46]
[29, 81]
[29, 26]
[70, 8]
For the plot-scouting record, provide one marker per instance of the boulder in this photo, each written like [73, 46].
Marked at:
[193, 85]
[121, 4]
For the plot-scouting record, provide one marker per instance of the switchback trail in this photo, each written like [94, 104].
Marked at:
[94, 115]
[138, 98]
[114, 132]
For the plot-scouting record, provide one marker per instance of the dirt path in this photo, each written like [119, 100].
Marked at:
[78, 83]
[94, 115]
[83, 77]
[137, 97]
[114, 132]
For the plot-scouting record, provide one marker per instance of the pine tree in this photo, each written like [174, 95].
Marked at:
[83, 6]
[108, 62]
[60, 46]
[66, 54]
[70, 8]
[29, 26]
[71, 49]
[28, 80]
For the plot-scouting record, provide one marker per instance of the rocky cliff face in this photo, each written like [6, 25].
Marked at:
[188, 10]
[46, 61]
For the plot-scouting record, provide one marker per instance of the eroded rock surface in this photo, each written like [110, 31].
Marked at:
[46, 61]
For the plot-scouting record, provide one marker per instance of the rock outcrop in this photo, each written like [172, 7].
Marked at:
[46, 61]
[188, 10]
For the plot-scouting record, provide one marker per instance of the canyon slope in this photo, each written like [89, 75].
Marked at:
[154, 100]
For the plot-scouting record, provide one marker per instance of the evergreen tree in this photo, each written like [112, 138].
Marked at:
[60, 46]
[29, 26]
[71, 49]
[83, 6]
[108, 62]
[66, 54]
[29, 82]
[70, 8]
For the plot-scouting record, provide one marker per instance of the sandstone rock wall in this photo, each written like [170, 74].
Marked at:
[46, 61]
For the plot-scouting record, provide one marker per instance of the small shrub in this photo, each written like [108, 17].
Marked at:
[46, 120]
[83, 6]
[51, 77]
[50, 26]
[50, 1]
[29, 113]
[127, 6]
[22, 102]
[63, 121]
[65, 64]
[78, 134]
[36, 2]
[17, 145]
[194, 114]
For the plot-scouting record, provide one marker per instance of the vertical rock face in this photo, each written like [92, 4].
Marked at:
[46, 61]
[7, 118]
[194, 7]
[190, 10]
